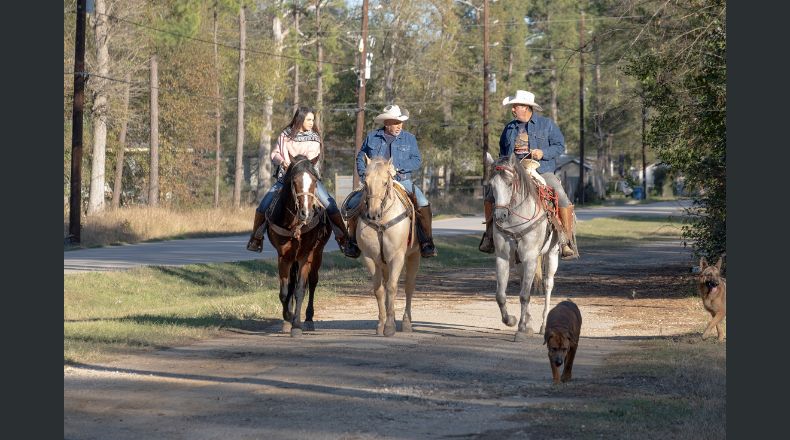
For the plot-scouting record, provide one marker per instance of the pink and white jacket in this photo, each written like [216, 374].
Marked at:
[306, 143]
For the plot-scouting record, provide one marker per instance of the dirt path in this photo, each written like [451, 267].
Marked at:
[457, 376]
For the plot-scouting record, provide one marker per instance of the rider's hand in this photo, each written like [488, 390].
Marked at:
[536, 154]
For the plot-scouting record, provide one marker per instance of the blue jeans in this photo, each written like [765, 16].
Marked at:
[320, 192]
[411, 188]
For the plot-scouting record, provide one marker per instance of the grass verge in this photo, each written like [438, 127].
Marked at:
[672, 388]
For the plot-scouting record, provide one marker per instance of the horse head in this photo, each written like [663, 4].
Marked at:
[378, 185]
[507, 180]
[303, 180]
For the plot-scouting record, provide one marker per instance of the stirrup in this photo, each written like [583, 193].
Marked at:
[255, 245]
[486, 244]
[351, 250]
[572, 256]
[428, 250]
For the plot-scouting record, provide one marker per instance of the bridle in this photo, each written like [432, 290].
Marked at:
[513, 190]
[302, 226]
[379, 227]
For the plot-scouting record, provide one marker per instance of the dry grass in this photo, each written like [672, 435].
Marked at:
[137, 224]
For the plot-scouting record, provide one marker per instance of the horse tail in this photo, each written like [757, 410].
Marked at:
[537, 282]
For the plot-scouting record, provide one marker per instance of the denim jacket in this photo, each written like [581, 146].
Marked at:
[405, 155]
[543, 134]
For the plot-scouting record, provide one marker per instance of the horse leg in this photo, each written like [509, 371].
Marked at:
[301, 283]
[529, 266]
[284, 269]
[502, 275]
[551, 260]
[378, 290]
[394, 268]
[412, 266]
[312, 282]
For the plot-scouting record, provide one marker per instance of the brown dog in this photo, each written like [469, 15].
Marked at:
[713, 289]
[563, 326]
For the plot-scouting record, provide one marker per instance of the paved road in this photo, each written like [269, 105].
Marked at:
[232, 248]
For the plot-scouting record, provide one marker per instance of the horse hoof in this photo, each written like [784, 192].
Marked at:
[286, 327]
[389, 329]
[406, 326]
[296, 332]
[511, 321]
[379, 330]
[309, 326]
[520, 336]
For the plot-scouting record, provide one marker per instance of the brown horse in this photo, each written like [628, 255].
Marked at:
[299, 229]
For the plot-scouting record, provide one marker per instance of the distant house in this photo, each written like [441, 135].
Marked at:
[568, 172]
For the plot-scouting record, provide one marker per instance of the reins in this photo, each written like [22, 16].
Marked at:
[379, 227]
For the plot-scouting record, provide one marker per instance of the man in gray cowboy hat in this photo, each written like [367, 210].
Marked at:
[392, 141]
[536, 137]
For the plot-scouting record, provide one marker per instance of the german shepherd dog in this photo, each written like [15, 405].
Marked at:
[563, 327]
[713, 289]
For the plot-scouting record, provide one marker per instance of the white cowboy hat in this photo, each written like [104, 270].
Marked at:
[522, 97]
[392, 112]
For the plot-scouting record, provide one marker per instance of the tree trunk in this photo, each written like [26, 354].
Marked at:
[389, 85]
[218, 115]
[240, 112]
[296, 62]
[265, 145]
[319, 101]
[118, 184]
[153, 179]
[96, 197]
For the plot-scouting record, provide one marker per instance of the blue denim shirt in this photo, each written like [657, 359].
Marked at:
[543, 134]
[405, 155]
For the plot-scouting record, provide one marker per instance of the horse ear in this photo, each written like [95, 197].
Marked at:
[718, 264]
[367, 159]
[512, 159]
[290, 158]
[703, 263]
[391, 167]
[489, 159]
[314, 160]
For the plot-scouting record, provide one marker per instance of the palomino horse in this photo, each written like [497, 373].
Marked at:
[386, 237]
[298, 228]
[522, 230]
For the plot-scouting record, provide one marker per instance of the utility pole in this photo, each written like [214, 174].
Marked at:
[580, 195]
[76, 126]
[486, 74]
[361, 88]
[319, 110]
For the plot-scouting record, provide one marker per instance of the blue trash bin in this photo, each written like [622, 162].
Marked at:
[638, 193]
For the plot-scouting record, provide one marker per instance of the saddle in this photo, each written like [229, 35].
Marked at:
[548, 197]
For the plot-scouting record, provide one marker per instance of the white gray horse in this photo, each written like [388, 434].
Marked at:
[522, 231]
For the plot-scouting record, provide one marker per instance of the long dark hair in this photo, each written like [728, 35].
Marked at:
[298, 120]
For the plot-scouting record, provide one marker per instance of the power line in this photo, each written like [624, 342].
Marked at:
[227, 46]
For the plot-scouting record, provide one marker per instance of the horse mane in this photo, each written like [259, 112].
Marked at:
[377, 165]
[299, 163]
[525, 183]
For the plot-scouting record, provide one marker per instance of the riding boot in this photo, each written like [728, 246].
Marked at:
[569, 248]
[351, 249]
[339, 228]
[487, 242]
[425, 231]
[256, 238]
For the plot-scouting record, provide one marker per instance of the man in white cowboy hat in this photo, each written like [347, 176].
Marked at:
[538, 138]
[392, 141]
